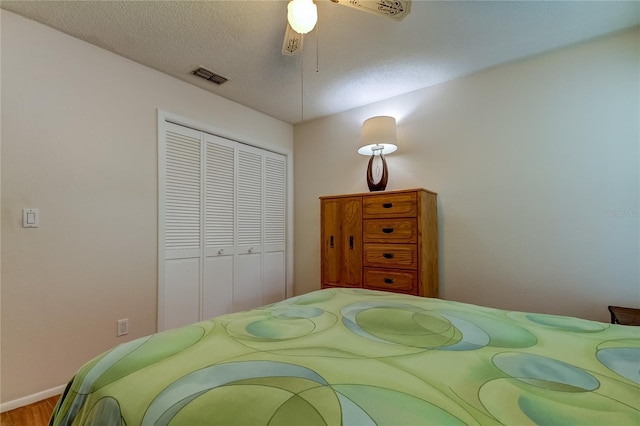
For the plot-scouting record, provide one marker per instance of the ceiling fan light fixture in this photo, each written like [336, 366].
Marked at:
[302, 15]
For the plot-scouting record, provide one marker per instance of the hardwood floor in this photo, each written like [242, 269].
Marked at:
[36, 414]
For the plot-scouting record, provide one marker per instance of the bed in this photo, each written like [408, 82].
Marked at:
[360, 357]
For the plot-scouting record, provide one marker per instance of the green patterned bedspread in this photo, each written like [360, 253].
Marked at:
[357, 357]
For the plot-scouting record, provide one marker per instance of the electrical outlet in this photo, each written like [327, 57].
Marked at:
[123, 327]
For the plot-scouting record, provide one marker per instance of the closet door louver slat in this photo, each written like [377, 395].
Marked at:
[275, 190]
[182, 197]
[219, 194]
[249, 193]
[274, 202]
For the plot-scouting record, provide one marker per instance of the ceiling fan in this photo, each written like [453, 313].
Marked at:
[302, 17]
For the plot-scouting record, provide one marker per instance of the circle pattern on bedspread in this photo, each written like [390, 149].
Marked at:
[105, 412]
[129, 357]
[419, 329]
[282, 323]
[515, 402]
[548, 391]
[621, 357]
[132, 356]
[567, 323]
[309, 298]
[412, 326]
[545, 372]
[251, 391]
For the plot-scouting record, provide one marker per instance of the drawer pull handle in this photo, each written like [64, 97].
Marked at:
[389, 280]
[387, 255]
[387, 205]
[331, 241]
[387, 230]
[351, 242]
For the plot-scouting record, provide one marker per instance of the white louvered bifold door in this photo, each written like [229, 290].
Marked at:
[219, 225]
[275, 219]
[180, 223]
[248, 267]
[222, 226]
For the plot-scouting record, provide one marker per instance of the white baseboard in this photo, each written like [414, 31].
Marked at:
[30, 399]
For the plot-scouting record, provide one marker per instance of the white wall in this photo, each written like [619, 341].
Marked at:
[536, 164]
[79, 143]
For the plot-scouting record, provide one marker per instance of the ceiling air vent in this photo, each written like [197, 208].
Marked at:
[209, 75]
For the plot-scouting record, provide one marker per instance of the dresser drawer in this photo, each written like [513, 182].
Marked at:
[391, 280]
[391, 255]
[390, 231]
[390, 205]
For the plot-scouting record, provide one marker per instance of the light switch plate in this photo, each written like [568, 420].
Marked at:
[30, 218]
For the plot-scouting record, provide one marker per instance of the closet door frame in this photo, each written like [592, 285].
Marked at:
[164, 117]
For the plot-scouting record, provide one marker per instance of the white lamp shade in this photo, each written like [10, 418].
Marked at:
[379, 134]
[302, 15]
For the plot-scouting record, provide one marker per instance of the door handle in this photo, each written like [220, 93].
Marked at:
[387, 230]
[389, 280]
[331, 241]
[387, 255]
[387, 205]
[351, 242]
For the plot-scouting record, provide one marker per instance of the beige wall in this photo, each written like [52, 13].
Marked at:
[536, 166]
[79, 143]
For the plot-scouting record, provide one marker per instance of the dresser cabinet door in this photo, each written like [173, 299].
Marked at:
[342, 242]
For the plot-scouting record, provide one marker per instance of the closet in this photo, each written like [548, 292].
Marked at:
[222, 226]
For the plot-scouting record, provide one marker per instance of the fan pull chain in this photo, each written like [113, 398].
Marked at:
[317, 28]
[302, 87]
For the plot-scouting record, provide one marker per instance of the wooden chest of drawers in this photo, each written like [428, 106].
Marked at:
[381, 241]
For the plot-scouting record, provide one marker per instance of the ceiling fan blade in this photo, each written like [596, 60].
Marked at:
[396, 9]
[293, 42]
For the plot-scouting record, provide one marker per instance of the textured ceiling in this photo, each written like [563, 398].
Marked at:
[351, 59]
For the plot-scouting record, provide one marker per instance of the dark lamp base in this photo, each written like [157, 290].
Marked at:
[378, 170]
